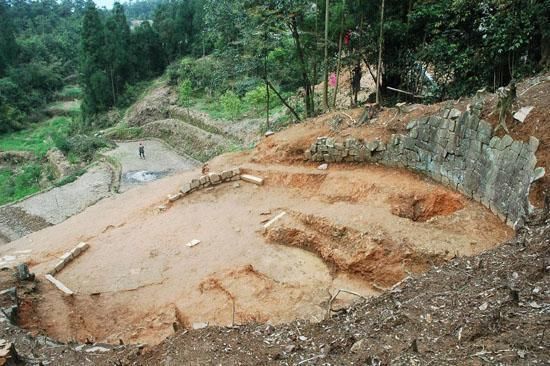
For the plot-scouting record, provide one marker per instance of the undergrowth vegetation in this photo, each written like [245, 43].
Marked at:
[19, 183]
[20, 180]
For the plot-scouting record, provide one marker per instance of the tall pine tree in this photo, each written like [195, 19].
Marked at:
[149, 56]
[118, 51]
[8, 47]
[93, 71]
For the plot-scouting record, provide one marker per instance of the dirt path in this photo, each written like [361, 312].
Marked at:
[139, 278]
[160, 161]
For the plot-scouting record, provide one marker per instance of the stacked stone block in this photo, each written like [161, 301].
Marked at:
[211, 179]
[456, 149]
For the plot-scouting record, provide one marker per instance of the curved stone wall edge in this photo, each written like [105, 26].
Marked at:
[460, 151]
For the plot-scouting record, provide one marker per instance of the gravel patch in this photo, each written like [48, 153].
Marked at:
[60, 203]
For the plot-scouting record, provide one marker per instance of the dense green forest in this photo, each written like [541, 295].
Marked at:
[438, 49]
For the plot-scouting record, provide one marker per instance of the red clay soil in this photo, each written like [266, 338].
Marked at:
[289, 145]
[487, 310]
[424, 207]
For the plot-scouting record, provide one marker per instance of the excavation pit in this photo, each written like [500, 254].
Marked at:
[139, 282]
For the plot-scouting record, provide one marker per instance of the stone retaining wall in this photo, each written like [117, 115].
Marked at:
[458, 150]
[205, 181]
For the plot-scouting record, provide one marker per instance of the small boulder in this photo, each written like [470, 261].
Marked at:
[23, 273]
[199, 325]
[357, 346]
[215, 178]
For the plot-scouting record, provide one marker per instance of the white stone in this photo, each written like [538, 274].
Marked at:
[252, 179]
[97, 349]
[83, 246]
[269, 133]
[539, 173]
[174, 197]
[76, 252]
[323, 166]
[193, 242]
[522, 114]
[59, 285]
[199, 325]
[66, 257]
[186, 188]
[270, 222]
[58, 267]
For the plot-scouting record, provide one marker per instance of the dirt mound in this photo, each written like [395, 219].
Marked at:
[424, 207]
[188, 139]
[152, 107]
[289, 145]
[373, 256]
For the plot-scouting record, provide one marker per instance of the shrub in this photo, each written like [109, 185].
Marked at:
[242, 87]
[256, 97]
[231, 104]
[84, 146]
[185, 90]
[173, 74]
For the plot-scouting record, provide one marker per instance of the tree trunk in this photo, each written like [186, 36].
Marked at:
[113, 86]
[283, 100]
[380, 43]
[316, 47]
[340, 41]
[293, 25]
[325, 85]
[267, 93]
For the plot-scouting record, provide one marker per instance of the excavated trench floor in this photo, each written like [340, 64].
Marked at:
[360, 229]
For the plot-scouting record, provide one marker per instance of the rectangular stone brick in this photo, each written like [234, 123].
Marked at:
[227, 174]
[185, 188]
[252, 179]
[214, 178]
[59, 285]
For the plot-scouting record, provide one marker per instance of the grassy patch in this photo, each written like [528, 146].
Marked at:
[16, 184]
[64, 108]
[124, 133]
[38, 139]
[70, 178]
[70, 92]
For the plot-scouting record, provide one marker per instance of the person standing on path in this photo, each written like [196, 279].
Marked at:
[141, 151]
